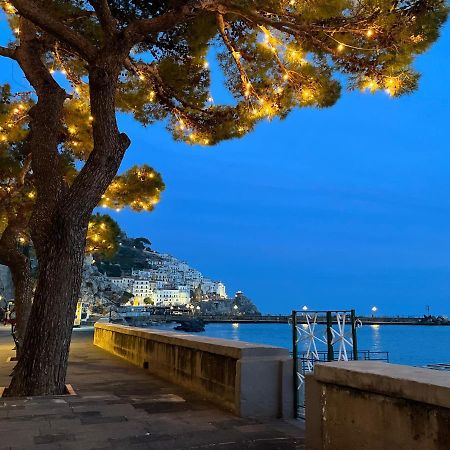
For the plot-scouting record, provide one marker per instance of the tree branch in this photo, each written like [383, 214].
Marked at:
[41, 18]
[109, 146]
[138, 29]
[104, 15]
[8, 52]
[45, 118]
[235, 55]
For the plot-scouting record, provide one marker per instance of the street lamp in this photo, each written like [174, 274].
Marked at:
[374, 310]
[235, 307]
[305, 308]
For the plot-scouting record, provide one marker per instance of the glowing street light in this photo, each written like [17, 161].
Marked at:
[374, 310]
[305, 308]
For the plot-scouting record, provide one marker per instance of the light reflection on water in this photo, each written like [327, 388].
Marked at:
[235, 331]
[376, 339]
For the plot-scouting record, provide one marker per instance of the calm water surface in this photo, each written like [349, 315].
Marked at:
[413, 345]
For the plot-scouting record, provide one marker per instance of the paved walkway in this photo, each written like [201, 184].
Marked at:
[120, 406]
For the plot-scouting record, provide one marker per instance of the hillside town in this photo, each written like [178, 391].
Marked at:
[168, 282]
[138, 279]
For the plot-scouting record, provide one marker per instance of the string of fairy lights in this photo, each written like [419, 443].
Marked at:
[97, 236]
[260, 103]
[139, 188]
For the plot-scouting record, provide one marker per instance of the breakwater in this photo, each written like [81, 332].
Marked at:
[388, 320]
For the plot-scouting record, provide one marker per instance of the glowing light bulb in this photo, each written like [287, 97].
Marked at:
[341, 47]
[370, 32]
[9, 8]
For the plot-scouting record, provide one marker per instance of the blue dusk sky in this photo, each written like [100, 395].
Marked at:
[346, 207]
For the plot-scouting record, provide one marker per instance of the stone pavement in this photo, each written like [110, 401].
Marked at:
[120, 406]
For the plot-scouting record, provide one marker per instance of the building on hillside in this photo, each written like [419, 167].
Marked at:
[143, 288]
[125, 283]
[213, 288]
[171, 296]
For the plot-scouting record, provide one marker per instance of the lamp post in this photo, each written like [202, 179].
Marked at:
[374, 310]
[236, 308]
[305, 308]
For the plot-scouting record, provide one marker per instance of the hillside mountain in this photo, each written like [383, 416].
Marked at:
[133, 253]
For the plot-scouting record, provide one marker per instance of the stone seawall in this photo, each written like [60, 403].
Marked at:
[248, 379]
[377, 406]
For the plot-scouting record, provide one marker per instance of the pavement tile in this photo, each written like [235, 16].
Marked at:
[53, 438]
[89, 420]
[61, 424]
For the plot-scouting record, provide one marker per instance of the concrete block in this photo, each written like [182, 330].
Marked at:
[250, 380]
[377, 406]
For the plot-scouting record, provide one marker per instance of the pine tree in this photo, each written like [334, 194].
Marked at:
[151, 59]
[18, 195]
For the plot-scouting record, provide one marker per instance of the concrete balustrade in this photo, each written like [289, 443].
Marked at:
[377, 406]
[251, 380]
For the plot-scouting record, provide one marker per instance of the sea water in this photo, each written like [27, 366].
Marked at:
[416, 345]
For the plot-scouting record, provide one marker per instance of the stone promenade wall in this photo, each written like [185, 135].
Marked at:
[378, 406]
[250, 380]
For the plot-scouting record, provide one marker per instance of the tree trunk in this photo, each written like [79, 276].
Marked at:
[59, 226]
[23, 293]
[42, 367]
[59, 222]
[19, 265]
[58, 237]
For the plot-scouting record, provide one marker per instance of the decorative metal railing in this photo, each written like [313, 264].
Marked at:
[323, 336]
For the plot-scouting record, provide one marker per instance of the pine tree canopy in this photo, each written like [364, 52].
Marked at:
[275, 55]
[103, 235]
